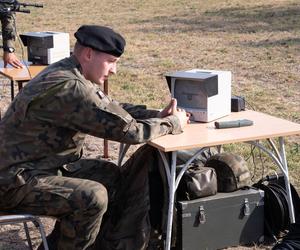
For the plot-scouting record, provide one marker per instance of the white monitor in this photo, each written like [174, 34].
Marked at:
[206, 94]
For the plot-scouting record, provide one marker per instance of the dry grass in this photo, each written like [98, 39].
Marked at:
[258, 41]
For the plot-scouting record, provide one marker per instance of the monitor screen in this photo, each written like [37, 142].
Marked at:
[190, 94]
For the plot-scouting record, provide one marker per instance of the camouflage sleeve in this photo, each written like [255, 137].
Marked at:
[139, 111]
[8, 29]
[87, 110]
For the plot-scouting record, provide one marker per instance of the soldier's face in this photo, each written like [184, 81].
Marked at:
[101, 66]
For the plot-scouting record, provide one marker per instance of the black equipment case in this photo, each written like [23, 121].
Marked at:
[221, 220]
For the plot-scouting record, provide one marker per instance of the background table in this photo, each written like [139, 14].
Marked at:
[203, 135]
[20, 75]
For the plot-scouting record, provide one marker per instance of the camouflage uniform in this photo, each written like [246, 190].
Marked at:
[42, 135]
[8, 27]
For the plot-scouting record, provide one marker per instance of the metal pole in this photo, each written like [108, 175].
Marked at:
[105, 142]
[171, 201]
[12, 92]
[286, 179]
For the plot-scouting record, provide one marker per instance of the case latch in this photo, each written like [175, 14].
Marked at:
[246, 207]
[202, 218]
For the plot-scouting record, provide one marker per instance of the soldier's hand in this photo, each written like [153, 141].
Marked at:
[11, 58]
[183, 117]
[181, 114]
[172, 109]
[169, 109]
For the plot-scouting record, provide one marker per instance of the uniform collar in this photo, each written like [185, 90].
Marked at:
[75, 62]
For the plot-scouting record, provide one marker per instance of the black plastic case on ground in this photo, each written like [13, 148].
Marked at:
[222, 220]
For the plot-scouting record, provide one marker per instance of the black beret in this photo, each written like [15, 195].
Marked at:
[101, 38]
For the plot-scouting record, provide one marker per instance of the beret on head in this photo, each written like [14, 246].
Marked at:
[101, 38]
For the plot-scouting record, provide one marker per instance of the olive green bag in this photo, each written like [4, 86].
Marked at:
[197, 181]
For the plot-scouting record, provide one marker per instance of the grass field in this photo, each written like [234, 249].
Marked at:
[258, 41]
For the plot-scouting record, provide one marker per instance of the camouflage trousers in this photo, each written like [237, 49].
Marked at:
[97, 204]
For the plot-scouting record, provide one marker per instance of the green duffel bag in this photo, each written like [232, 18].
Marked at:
[197, 181]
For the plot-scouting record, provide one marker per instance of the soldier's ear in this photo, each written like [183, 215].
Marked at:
[88, 53]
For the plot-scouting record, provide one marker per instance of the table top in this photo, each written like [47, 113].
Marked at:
[23, 74]
[197, 135]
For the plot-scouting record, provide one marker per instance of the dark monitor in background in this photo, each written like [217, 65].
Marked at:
[46, 47]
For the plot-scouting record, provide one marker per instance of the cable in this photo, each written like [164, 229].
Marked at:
[252, 157]
[262, 163]
[276, 203]
[249, 105]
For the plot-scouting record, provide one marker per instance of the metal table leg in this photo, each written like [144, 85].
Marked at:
[287, 179]
[12, 92]
[105, 141]
[173, 183]
[20, 84]
[280, 160]
[12, 87]
[122, 152]
[172, 191]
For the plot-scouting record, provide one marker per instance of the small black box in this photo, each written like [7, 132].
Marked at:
[237, 103]
[221, 220]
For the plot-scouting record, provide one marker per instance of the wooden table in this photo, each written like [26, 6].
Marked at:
[20, 76]
[203, 135]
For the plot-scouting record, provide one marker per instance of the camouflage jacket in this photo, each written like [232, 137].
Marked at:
[45, 125]
[8, 28]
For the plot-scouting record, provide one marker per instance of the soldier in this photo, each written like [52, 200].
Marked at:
[8, 37]
[42, 134]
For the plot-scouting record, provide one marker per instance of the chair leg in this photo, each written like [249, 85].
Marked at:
[42, 232]
[27, 235]
[24, 218]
